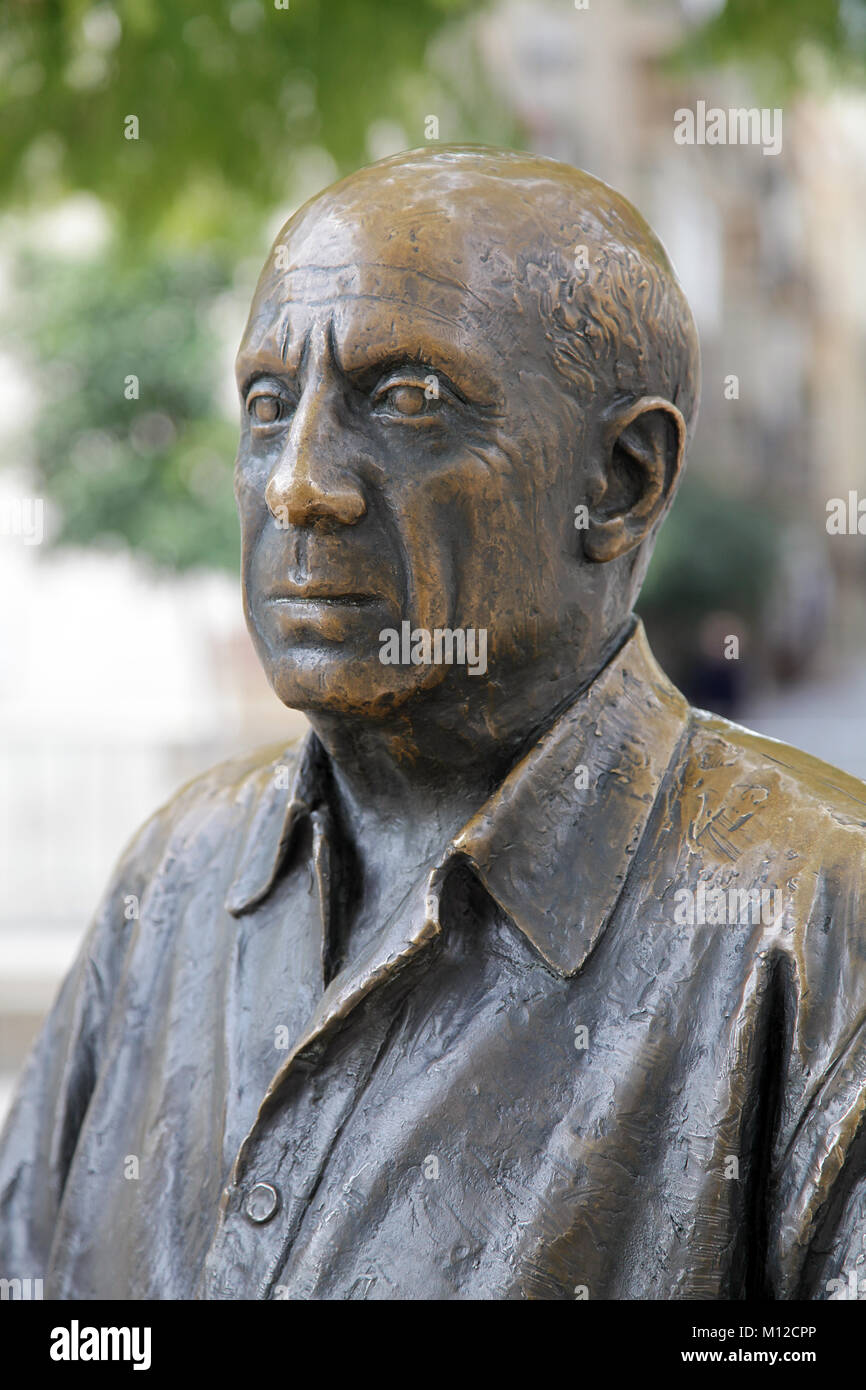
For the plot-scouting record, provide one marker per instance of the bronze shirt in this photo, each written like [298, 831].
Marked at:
[541, 1080]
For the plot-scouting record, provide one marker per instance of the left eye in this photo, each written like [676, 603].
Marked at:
[403, 398]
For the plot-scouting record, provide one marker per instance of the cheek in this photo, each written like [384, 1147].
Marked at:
[517, 556]
[253, 514]
[501, 536]
[249, 488]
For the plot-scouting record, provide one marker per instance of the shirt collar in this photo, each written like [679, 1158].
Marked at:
[554, 843]
[284, 799]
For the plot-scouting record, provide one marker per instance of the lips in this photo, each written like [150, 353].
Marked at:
[308, 594]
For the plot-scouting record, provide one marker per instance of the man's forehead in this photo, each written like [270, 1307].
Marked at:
[426, 287]
[443, 239]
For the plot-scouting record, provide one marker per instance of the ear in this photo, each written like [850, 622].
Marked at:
[642, 452]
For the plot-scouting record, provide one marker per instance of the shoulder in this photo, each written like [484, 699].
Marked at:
[208, 813]
[730, 755]
[235, 783]
[755, 813]
[795, 818]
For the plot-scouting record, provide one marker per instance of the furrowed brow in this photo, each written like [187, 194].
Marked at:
[468, 380]
[253, 363]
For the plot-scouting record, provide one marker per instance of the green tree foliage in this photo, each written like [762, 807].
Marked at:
[153, 471]
[709, 535]
[225, 92]
[786, 44]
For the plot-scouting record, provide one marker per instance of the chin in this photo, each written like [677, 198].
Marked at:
[318, 683]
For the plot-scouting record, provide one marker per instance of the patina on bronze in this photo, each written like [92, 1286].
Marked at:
[520, 978]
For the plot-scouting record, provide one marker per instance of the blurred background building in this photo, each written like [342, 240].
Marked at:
[152, 152]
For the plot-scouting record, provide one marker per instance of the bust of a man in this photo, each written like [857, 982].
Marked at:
[519, 978]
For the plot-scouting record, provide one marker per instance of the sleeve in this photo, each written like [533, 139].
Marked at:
[817, 1202]
[59, 1077]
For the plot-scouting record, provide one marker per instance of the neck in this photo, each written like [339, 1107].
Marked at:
[416, 777]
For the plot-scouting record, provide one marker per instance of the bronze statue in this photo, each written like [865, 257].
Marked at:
[520, 978]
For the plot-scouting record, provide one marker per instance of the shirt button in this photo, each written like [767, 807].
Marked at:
[261, 1202]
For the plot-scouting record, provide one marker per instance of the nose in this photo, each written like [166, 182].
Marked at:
[310, 481]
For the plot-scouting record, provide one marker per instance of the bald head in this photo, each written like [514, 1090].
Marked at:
[515, 231]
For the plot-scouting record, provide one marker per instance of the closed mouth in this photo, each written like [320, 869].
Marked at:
[337, 600]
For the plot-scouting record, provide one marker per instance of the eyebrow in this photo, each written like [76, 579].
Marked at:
[460, 375]
[392, 362]
[259, 362]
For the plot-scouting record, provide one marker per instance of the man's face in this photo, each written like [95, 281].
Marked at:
[405, 456]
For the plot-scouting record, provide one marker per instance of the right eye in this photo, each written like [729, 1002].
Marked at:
[265, 409]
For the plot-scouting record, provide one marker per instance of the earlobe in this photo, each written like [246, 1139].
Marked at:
[643, 447]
